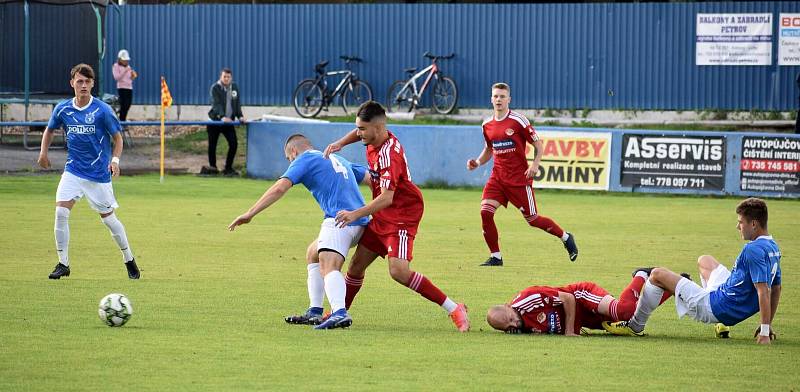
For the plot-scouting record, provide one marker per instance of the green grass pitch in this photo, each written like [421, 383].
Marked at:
[209, 308]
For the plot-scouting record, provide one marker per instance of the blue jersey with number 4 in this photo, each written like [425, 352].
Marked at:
[333, 182]
[737, 299]
[88, 132]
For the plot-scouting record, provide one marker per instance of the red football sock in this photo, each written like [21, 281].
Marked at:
[547, 225]
[353, 285]
[623, 308]
[665, 297]
[489, 228]
[426, 288]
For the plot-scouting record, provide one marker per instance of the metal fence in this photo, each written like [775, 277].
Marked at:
[596, 56]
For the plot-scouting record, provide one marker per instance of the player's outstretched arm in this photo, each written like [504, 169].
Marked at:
[344, 217]
[568, 302]
[485, 156]
[113, 166]
[764, 333]
[273, 194]
[350, 138]
[538, 147]
[47, 138]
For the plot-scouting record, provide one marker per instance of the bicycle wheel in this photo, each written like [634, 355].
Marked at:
[400, 97]
[354, 95]
[445, 95]
[307, 98]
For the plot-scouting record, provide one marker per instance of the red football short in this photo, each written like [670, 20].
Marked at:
[587, 295]
[392, 240]
[521, 196]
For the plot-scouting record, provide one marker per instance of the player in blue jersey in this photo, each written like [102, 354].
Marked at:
[726, 297]
[334, 184]
[90, 126]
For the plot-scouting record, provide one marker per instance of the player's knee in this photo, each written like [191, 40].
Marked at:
[401, 274]
[487, 212]
[707, 262]
[531, 218]
[658, 274]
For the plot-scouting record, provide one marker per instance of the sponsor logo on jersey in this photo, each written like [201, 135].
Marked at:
[81, 129]
[555, 322]
[504, 146]
[509, 131]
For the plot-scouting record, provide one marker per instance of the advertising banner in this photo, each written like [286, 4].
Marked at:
[734, 39]
[573, 160]
[671, 161]
[789, 39]
[770, 164]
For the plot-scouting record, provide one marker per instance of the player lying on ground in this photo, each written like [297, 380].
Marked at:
[507, 134]
[396, 210]
[89, 126]
[565, 310]
[726, 297]
[334, 184]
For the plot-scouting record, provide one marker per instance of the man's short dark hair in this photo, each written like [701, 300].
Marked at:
[371, 110]
[83, 69]
[297, 137]
[502, 86]
[227, 71]
[753, 209]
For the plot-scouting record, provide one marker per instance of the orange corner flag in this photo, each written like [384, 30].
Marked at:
[166, 97]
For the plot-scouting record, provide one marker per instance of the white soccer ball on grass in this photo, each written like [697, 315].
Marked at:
[115, 310]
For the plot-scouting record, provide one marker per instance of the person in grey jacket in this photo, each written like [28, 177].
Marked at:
[225, 106]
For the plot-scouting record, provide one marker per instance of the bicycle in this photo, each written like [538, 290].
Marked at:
[312, 95]
[405, 96]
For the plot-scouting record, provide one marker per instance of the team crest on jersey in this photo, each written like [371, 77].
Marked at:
[541, 317]
[509, 131]
[89, 119]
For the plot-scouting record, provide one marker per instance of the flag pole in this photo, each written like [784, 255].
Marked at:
[162, 143]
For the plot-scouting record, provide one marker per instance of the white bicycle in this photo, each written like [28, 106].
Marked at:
[405, 96]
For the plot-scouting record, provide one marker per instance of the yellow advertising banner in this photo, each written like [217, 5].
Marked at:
[573, 160]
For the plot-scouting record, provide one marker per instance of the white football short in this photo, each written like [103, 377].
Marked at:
[694, 301]
[100, 195]
[338, 239]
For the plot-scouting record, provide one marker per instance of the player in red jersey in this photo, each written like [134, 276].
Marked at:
[507, 134]
[396, 210]
[565, 310]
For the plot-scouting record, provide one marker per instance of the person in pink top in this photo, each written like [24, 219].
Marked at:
[124, 75]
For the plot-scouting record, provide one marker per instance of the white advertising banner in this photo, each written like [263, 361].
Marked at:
[789, 39]
[734, 39]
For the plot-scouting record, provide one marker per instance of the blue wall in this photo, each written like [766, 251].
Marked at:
[609, 56]
[438, 154]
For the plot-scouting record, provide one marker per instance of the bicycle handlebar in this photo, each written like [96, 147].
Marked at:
[351, 58]
[434, 57]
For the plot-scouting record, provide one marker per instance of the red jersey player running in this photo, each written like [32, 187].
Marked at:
[506, 134]
[565, 310]
[396, 210]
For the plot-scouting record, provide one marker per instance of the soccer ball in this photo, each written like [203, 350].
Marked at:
[115, 310]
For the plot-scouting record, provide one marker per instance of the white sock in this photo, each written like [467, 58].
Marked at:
[119, 236]
[449, 305]
[497, 255]
[61, 231]
[564, 237]
[648, 302]
[335, 290]
[316, 287]
[642, 274]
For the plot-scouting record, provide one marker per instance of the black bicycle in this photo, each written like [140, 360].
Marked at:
[312, 95]
[404, 95]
